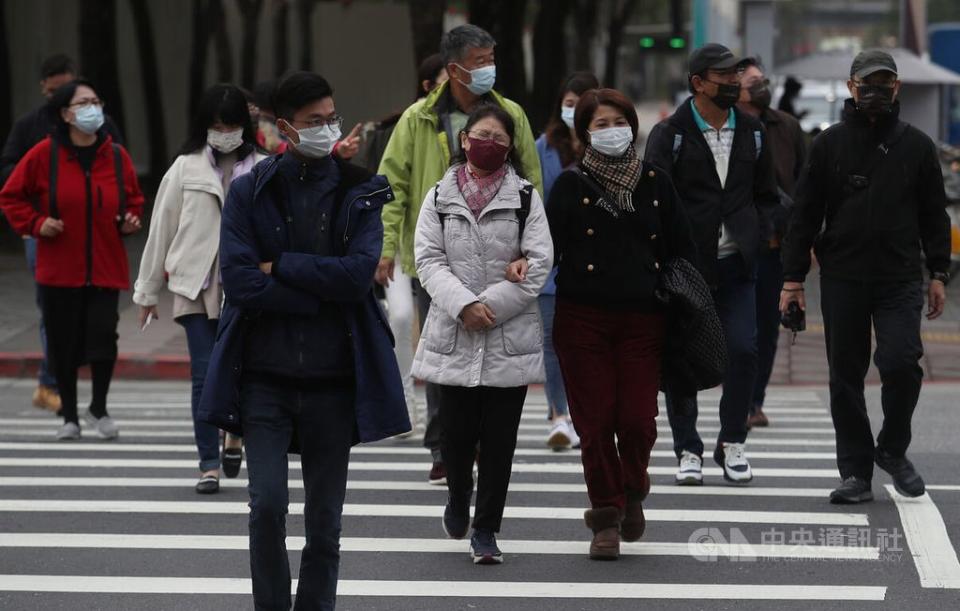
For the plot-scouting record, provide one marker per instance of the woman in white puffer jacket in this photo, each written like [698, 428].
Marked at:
[483, 252]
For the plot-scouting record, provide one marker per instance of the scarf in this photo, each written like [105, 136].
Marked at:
[617, 175]
[478, 191]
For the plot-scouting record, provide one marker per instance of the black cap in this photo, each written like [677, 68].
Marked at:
[870, 61]
[711, 56]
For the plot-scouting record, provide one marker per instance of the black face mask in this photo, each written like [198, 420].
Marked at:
[874, 99]
[727, 95]
[760, 95]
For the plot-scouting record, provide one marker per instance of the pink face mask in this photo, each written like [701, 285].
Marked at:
[486, 155]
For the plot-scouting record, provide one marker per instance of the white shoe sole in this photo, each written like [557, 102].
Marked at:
[690, 479]
[559, 441]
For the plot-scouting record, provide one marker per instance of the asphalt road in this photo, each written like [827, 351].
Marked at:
[116, 525]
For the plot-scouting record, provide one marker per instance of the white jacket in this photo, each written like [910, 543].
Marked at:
[184, 237]
[461, 260]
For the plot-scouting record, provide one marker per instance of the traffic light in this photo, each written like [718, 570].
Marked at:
[672, 42]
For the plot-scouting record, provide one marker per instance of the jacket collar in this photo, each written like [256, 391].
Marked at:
[507, 198]
[431, 105]
[352, 178]
[854, 117]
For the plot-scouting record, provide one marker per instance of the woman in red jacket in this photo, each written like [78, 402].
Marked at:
[77, 192]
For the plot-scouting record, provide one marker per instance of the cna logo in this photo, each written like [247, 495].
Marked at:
[709, 544]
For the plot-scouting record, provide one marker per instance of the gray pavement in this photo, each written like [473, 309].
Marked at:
[116, 525]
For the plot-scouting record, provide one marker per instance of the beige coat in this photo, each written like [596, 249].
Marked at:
[462, 260]
[184, 235]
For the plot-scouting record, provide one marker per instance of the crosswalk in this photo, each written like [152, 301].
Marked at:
[116, 525]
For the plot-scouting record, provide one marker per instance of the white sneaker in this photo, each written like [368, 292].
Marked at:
[690, 472]
[68, 432]
[105, 427]
[572, 434]
[732, 457]
[559, 437]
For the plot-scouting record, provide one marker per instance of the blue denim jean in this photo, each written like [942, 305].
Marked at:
[554, 389]
[45, 376]
[323, 422]
[769, 283]
[201, 334]
[736, 300]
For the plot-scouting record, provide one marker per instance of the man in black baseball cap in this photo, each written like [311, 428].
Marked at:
[723, 170]
[872, 199]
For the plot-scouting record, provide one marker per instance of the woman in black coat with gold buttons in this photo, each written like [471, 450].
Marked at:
[614, 221]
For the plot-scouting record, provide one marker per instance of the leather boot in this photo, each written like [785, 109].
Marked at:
[605, 524]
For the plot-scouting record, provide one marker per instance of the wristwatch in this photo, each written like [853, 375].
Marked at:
[943, 277]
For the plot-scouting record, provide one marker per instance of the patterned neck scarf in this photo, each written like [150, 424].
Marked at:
[617, 175]
[478, 191]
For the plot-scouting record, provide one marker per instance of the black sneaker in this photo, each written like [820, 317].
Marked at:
[456, 522]
[906, 480]
[853, 490]
[483, 547]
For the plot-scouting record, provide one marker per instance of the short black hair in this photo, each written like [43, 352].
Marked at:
[224, 103]
[429, 68]
[297, 90]
[61, 99]
[263, 94]
[59, 63]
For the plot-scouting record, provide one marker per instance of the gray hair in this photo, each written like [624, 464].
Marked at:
[455, 43]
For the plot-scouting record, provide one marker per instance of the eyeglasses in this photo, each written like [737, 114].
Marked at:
[334, 121]
[86, 102]
[485, 135]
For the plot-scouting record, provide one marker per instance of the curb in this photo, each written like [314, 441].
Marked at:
[128, 367]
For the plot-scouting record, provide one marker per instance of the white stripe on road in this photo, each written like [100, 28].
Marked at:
[176, 463]
[448, 589]
[705, 516]
[416, 545]
[929, 541]
[408, 486]
[944, 487]
[359, 450]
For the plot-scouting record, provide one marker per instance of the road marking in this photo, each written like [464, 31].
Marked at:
[418, 545]
[356, 465]
[409, 486]
[431, 511]
[929, 542]
[358, 450]
[944, 487]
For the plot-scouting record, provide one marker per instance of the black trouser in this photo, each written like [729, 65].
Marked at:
[894, 309]
[485, 420]
[769, 283]
[324, 420]
[81, 328]
[434, 430]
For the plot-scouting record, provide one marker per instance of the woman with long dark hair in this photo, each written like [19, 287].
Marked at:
[183, 243]
[77, 191]
[559, 149]
[614, 221]
[483, 252]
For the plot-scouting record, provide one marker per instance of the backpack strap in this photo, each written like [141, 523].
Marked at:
[441, 215]
[54, 163]
[869, 162]
[757, 143]
[118, 168]
[677, 143]
[526, 196]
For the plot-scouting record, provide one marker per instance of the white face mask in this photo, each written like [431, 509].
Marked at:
[611, 141]
[566, 114]
[225, 142]
[317, 142]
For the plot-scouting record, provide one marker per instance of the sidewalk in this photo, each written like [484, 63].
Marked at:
[161, 351]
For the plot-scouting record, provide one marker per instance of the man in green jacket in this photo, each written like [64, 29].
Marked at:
[419, 152]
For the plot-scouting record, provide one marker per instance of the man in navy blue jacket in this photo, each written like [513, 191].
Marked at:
[304, 358]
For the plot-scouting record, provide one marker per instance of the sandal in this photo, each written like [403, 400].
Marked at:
[208, 484]
[231, 458]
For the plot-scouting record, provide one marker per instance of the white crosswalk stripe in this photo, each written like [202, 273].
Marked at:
[391, 515]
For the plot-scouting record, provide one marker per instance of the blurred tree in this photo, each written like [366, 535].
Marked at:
[505, 20]
[221, 41]
[549, 59]
[250, 10]
[6, 87]
[426, 19]
[620, 12]
[281, 37]
[585, 13]
[98, 54]
[305, 21]
[152, 94]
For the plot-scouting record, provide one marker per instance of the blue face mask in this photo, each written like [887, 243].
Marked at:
[88, 119]
[481, 79]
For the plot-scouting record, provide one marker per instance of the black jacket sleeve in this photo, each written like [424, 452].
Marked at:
[659, 149]
[765, 195]
[564, 188]
[809, 208]
[934, 221]
[17, 144]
